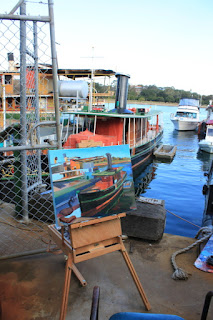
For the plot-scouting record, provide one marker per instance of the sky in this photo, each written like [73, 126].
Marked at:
[167, 43]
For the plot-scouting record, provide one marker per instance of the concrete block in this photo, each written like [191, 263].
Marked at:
[147, 222]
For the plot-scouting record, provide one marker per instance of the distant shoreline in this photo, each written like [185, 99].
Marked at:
[151, 103]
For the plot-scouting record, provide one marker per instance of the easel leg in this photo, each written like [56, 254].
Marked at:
[68, 271]
[79, 275]
[135, 276]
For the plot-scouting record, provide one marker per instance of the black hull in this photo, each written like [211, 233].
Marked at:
[89, 196]
[144, 152]
[208, 193]
[96, 206]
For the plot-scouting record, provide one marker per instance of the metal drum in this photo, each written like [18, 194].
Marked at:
[73, 88]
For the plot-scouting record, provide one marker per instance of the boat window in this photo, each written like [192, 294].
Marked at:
[180, 114]
[210, 132]
[186, 114]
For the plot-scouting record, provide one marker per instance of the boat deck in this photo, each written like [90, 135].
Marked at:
[31, 287]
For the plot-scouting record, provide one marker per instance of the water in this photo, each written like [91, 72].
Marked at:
[179, 182]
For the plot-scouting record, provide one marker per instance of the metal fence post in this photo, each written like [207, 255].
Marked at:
[23, 112]
[36, 102]
[54, 72]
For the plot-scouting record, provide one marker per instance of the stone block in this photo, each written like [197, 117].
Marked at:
[147, 222]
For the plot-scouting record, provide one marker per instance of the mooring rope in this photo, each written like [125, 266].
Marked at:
[195, 225]
[179, 273]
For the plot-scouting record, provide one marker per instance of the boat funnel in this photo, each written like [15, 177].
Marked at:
[121, 93]
[109, 162]
[10, 58]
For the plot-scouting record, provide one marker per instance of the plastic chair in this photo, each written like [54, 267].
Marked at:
[143, 316]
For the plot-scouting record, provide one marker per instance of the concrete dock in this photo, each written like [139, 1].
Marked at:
[31, 287]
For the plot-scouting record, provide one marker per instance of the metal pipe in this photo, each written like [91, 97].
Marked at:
[24, 18]
[95, 125]
[3, 104]
[54, 72]
[37, 184]
[95, 303]
[207, 301]
[3, 101]
[44, 123]
[77, 124]
[27, 51]
[124, 132]
[36, 146]
[37, 116]
[26, 253]
[23, 121]
[129, 132]
[134, 132]
[16, 6]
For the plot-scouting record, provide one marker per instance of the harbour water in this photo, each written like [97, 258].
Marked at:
[179, 182]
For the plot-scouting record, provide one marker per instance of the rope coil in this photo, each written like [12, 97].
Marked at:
[180, 274]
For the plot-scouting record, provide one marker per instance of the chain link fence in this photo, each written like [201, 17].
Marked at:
[28, 128]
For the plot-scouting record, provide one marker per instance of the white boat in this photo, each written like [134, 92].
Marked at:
[187, 115]
[207, 143]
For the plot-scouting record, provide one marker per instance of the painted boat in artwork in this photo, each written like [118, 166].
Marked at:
[140, 128]
[104, 193]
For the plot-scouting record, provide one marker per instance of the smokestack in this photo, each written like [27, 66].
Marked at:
[122, 93]
[109, 161]
[10, 58]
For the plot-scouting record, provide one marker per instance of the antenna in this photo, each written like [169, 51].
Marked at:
[92, 75]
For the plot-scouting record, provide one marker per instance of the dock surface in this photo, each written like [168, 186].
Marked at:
[31, 287]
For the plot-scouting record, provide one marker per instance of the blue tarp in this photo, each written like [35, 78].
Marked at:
[189, 102]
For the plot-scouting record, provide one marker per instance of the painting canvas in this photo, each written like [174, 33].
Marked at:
[91, 182]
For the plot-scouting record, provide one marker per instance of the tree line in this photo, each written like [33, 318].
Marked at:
[153, 93]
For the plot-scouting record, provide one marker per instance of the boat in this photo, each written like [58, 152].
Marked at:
[165, 151]
[207, 221]
[206, 144]
[187, 115]
[208, 193]
[140, 128]
[205, 122]
[95, 199]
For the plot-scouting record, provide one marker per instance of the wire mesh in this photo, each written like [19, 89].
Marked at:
[26, 100]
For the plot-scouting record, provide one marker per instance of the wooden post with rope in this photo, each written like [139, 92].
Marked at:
[90, 239]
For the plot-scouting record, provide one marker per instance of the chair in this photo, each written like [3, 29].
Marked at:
[143, 316]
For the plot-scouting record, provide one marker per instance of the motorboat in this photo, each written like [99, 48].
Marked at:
[187, 115]
[207, 143]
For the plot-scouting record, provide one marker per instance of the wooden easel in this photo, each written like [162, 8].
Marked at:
[90, 239]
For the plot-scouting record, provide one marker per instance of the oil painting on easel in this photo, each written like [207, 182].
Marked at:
[91, 182]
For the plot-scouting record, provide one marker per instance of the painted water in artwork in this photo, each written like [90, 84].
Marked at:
[91, 182]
